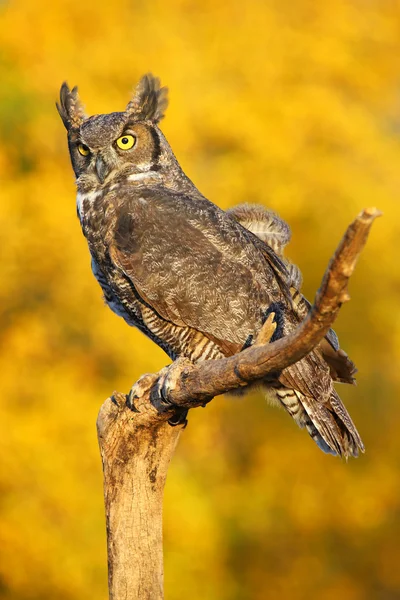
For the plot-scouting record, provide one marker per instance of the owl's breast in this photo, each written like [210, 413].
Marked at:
[113, 300]
[169, 263]
[97, 216]
[85, 201]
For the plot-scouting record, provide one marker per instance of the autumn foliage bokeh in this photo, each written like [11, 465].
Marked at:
[291, 104]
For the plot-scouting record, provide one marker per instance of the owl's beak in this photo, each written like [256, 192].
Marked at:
[102, 168]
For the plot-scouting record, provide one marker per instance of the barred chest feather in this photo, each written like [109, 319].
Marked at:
[120, 294]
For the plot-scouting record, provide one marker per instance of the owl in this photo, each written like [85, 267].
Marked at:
[199, 281]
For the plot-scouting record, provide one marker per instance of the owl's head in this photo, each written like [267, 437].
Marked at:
[108, 147]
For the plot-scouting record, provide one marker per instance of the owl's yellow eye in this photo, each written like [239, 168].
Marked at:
[126, 142]
[84, 150]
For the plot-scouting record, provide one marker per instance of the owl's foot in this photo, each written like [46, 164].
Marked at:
[264, 335]
[139, 390]
[166, 381]
[278, 310]
[179, 418]
[267, 331]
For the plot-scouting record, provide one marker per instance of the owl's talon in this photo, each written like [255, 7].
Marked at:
[166, 382]
[130, 398]
[249, 342]
[163, 393]
[170, 377]
[140, 389]
[118, 399]
[179, 418]
[114, 401]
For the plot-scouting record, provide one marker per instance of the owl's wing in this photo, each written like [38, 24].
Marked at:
[195, 265]
[275, 233]
[342, 368]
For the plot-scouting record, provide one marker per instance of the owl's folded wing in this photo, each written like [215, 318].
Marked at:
[193, 265]
[342, 368]
[274, 232]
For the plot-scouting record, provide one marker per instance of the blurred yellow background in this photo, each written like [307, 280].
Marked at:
[292, 104]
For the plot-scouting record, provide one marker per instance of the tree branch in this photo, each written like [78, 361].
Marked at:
[137, 443]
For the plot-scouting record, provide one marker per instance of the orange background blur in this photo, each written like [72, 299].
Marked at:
[292, 104]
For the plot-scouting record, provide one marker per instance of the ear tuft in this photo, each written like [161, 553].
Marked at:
[70, 108]
[149, 101]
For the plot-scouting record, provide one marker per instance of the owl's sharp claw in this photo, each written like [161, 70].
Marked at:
[160, 392]
[169, 377]
[118, 399]
[140, 389]
[130, 401]
[179, 417]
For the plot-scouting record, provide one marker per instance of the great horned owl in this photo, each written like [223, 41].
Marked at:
[198, 281]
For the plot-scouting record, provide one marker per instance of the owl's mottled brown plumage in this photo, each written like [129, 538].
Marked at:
[197, 280]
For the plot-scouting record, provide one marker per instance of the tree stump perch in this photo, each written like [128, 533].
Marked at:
[136, 449]
[137, 442]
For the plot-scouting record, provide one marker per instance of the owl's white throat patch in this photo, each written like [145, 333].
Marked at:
[144, 175]
[86, 197]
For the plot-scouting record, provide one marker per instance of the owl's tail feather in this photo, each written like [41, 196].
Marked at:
[328, 423]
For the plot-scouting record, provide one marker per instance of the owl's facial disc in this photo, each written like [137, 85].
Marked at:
[114, 147]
